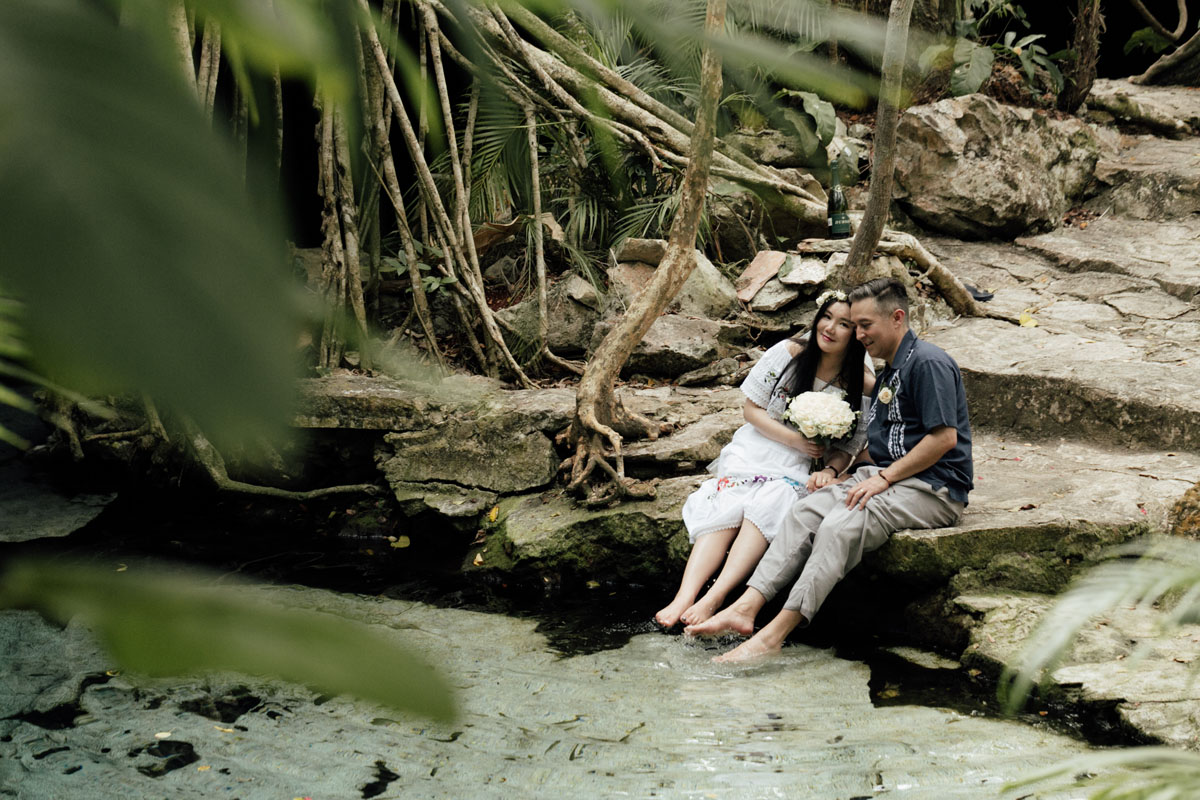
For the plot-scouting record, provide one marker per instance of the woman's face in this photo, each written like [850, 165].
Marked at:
[834, 329]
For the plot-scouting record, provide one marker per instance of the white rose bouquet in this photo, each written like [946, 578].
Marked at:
[820, 416]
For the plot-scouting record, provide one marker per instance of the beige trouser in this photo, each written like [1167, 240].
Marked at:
[822, 540]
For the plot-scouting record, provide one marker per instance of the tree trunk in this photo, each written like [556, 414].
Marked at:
[879, 198]
[1181, 67]
[597, 411]
[1078, 78]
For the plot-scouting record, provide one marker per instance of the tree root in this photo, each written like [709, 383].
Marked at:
[905, 245]
[210, 460]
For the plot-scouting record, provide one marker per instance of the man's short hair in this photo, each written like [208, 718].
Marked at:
[888, 294]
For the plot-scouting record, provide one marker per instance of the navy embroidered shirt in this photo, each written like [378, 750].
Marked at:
[927, 393]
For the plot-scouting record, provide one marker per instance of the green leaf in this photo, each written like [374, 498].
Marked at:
[935, 55]
[170, 624]
[1146, 39]
[824, 115]
[804, 129]
[973, 65]
[125, 229]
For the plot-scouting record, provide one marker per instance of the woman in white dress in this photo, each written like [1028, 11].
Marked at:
[764, 470]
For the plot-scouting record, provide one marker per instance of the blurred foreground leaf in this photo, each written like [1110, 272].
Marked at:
[175, 624]
[126, 231]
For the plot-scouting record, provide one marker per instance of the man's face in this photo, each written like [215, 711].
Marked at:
[879, 333]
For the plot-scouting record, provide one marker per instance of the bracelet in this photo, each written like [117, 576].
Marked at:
[835, 472]
[885, 477]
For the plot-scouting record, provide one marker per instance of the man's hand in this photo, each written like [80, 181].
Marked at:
[863, 491]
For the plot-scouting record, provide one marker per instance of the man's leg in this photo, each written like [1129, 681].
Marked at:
[846, 534]
[782, 561]
[838, 545]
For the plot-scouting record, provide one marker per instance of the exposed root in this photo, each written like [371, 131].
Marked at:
[907, 246]
[213, 464]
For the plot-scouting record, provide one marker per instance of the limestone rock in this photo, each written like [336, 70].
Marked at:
[705, 293]
[765, 266]
[1166, 110]
[648, 251]
[447, 499]
[722, 371]
[486, 454]
[699, 442]
[1185, 515]
[804, 271]
[675, 344]
[773, 296]
[974, 168]
[1155, 179]
[771, 147]
[570, 319]
[552, 535]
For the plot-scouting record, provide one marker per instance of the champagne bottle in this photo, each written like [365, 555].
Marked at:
[838, 217]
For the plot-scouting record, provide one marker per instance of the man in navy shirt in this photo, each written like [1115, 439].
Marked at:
[920, 440]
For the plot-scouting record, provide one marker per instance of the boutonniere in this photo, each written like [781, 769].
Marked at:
[886, 395]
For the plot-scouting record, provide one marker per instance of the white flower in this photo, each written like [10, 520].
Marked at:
[886, 395]
[828, 293]
[820, 415]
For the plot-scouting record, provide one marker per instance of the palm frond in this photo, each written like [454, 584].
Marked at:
[1140, 574]
[1141, 773]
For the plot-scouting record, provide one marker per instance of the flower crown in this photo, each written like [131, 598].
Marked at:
[836, 294]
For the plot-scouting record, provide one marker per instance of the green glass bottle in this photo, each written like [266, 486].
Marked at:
[838, 217]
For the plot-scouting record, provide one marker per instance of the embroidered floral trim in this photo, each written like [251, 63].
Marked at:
[729, 483]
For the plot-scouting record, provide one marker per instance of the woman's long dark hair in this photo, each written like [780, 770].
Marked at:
[800, 373]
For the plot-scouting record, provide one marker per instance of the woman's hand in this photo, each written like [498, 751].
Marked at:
[822, 478]
[809, 447]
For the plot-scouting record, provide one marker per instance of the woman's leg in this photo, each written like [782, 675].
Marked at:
[747, 549]
[707, 554]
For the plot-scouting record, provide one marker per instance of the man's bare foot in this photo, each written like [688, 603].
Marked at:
[735, 619]
[669, 616]
[701, 610]
[752, 649]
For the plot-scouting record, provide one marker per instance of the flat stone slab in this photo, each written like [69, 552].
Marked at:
[1169, 110]
[1150, 179]
[1115, 354]
[1122, 661]
[1038, 509]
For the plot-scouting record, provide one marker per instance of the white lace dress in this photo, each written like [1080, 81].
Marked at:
[757, 478]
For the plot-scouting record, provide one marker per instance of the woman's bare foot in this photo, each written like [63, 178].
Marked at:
[752, 649]
[738, 618]
[669, 616]
[701, 610]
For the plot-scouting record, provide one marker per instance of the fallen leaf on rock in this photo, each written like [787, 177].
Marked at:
[478, 560]
[1028, 506]
[222, 730]
[1183, 660]
[204, 768]
[593, 584]
[493, 513]
[121, 567]
[163, 735]
[1026, 320]
[401, 541]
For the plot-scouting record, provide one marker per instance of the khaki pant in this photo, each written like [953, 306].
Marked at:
[822, 540]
